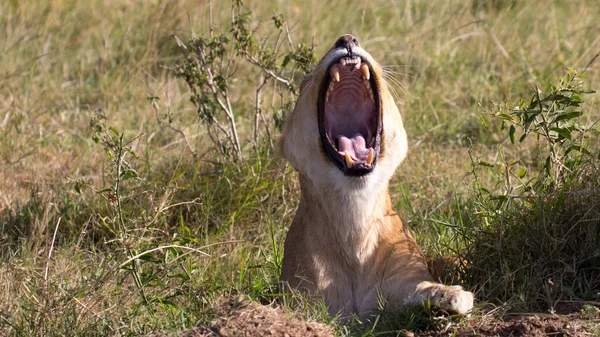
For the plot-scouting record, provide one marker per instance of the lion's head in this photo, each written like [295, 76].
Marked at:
[345, 128]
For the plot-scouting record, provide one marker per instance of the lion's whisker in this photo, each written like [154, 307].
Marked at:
[395, 83]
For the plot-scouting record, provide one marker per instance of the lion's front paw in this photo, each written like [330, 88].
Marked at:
[452, 299]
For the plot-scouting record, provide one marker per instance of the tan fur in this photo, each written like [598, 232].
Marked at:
[346, 243]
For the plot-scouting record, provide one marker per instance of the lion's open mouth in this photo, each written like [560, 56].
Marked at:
[350, 116]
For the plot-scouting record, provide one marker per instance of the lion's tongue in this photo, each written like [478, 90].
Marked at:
[355, 146]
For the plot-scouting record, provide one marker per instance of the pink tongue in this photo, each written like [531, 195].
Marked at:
[355, 146]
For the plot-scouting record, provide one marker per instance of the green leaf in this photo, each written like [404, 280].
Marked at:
[79, 187]
[148, 258]
[501, 198]
[134, 154]
[569, 115]
[534, 103]
[522, 138]
[548, 165]
[484, 163]
[511, 134]
[182, 276]
[578, 148]
[114, 130]
[128, 175]
[286, 60]
[564, 133]
[576, 98]
[506, 117]
[483, 122]
[555, 98]
[522, 172]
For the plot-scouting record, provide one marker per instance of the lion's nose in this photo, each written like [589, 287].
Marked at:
[347, 41]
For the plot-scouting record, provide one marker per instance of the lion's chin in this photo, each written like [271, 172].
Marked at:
[349, 111]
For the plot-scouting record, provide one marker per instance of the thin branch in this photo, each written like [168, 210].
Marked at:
[51, 249]
[590, 63]
[288, 35]
[270, 72]
[546, 134]
[257, 109]
[162, 209]
[210, 19]
[135, 257]
[226, 106]
[170, 124]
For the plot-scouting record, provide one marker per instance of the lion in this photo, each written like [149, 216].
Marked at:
[346, 244]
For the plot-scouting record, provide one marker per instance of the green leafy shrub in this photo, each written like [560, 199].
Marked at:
[216, 60]
[535, 235]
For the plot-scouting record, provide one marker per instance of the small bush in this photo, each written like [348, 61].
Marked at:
[216, 60]
[535, 239]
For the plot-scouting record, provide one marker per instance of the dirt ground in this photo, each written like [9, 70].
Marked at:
[523, 325]
[251, 319]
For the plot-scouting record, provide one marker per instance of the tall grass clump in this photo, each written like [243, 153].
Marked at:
[534, 240]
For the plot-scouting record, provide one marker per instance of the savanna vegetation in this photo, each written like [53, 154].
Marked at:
[139, 181]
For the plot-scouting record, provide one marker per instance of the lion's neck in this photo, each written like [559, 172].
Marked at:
[352, 218]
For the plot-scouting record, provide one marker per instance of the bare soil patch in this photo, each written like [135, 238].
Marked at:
[523, 325]
[251, 319]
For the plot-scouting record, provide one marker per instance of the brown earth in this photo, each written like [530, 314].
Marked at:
[251, 319]
[530, 325]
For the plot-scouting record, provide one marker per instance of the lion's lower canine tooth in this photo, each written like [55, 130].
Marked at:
[335, 72]
[349, 161]
[329, 90]
[365, 71]
[370, 157]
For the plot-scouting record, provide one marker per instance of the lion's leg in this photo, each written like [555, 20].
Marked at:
[407, 280]
[411, 283]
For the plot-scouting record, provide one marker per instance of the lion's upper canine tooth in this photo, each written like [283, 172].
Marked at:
[349, 161]
[343, 62]
[365, 71]
[335, 72]
[370, 157]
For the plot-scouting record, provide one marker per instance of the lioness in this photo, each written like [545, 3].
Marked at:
[345, 138]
